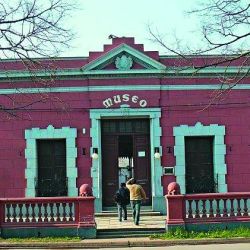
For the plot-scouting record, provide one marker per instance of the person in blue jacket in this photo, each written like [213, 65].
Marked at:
[122, 199]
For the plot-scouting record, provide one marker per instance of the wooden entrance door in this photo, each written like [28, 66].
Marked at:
[114, 135]
[109, 169]
[199, 165]
[142, 172]
[51, 168]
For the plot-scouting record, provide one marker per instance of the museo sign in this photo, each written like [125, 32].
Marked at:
[124, 98]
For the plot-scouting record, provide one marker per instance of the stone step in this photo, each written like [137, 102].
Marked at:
[146, 222]
[114, 213]
[114, 208]
[128, 232]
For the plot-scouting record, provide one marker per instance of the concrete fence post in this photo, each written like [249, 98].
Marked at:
[85, 217]
[176, 212]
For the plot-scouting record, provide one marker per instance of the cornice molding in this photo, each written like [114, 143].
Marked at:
[79, 73]
[174, 87]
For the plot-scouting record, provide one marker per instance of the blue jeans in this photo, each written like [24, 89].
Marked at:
[122, 207]
[136, 207]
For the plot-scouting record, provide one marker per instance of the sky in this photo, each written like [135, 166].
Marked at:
[95, 20]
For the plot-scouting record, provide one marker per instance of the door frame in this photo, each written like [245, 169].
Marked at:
[31, 135]
[219, 152]
[153, 114]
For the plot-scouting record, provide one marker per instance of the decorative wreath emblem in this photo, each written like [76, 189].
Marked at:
[124, 62]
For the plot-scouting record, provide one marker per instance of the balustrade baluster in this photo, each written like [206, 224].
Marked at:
[225, 208]
[8, 213]
[51, 212]
[27, 219]
[204, 211]
[211, 211]
[238, 207]
[217, 208]
[190, 211]
[64, 211]
[33, 213]
[14, 213]
[57, 212]
[197, 211]
[70, 212]
[39, 212]
[232, 208]
[45, 212]
[20, 212]
[245, 208]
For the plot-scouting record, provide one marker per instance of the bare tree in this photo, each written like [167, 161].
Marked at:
[31, 29]
[225, 31]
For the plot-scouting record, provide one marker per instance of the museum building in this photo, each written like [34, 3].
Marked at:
[119, 113]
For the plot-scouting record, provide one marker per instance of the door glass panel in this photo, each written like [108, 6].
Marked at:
[125, 126]
[125, 157]
[109, 127]
[141, 126]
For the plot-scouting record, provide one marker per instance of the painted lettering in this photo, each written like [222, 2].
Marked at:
[135, 98]
[143, 103]
[117, 98]
[108, 102]
[125, 97]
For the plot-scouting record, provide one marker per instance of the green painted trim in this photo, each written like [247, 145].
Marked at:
[43, 59]
[159, 204]
[154, 115]
[104, 60]
[190, 56]
[120, 87]
[220, 167]
[173, 72]
[155, 72]
[31, 135]
[23, 74]
[124, 72]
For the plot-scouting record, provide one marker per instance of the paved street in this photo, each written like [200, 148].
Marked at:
[244, 246]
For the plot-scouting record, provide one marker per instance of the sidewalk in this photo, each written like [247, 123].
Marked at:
[121, 242]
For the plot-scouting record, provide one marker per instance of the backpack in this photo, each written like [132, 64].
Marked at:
[117, 197]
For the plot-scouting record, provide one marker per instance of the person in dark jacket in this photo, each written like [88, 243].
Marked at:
[122, 200]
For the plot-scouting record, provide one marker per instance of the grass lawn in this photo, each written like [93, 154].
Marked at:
[182, 234]
[41, 239]
[176, 234]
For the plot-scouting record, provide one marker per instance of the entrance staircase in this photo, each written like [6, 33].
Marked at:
[108, 225]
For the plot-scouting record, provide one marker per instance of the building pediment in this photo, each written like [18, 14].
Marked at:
[123, 59]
